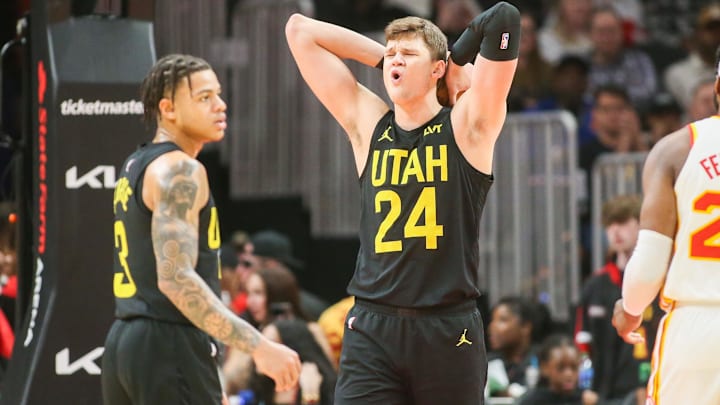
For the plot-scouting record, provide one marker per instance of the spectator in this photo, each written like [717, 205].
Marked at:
[612, 63]
[616, 126]
[229, 287]
[568, 91]
[533, 74]
[453, 16]
[702, 104]
[631, 14]
[620, 371]
[510, 337]
[559, 368]
[682, 77]
[662, 117]
[271, 247]
[247, 263]
[566, 31]
[274, 304]
[332, 322]
[8, 283]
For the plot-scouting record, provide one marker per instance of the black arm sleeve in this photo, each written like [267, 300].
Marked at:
[495, 33]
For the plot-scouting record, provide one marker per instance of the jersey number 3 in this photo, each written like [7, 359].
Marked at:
[424, 205]
[123, 284]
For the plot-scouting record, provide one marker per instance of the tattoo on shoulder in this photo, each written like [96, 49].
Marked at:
[175, 240]
[179, 190]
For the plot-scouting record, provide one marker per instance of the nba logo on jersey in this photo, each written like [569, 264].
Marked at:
[504, 40]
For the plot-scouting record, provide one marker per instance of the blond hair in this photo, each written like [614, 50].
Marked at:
[408, 27]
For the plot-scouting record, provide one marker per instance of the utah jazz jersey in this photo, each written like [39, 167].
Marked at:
[420, 215]
[694, 273]
[135, 283]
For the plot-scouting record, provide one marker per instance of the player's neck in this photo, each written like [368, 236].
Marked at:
[186, 143]
[413, 114]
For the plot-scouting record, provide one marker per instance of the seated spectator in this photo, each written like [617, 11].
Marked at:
[702, 104]
[511, 352]
[229, 288]
[682, 77]
[568, 91]
[631, 14]
[566, 31]
[611, 62]
[620, 370]
[332, 322]
[274, 305]
[240, 252]
[8, 283]
[453, 16]
[271, 247]
[532, 76]
[617, 129]
[559, 367]
[663, 116]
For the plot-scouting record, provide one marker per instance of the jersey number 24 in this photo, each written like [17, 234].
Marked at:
[425, 204]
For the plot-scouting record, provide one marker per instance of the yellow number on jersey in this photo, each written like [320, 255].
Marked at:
[431, 230]
[426, 204]
[392, 216]
[214, 230]
[123, 284]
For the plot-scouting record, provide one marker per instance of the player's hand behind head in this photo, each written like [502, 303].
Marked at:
[457, 80]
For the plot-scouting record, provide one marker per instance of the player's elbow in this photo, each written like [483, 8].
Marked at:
[295, 27]
[167, 287]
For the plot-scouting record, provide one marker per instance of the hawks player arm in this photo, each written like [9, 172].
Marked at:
[648, 265]
[177, 189]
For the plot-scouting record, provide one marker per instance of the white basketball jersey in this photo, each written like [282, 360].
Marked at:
[694, 273]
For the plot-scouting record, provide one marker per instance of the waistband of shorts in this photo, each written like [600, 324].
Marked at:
[151, 319]
[459, 308]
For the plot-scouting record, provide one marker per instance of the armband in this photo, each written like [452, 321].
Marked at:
[645, 272]
[495, 34]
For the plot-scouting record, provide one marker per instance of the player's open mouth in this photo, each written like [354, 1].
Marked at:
[395, 76]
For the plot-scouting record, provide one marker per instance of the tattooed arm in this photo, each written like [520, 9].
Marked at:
[175, 189]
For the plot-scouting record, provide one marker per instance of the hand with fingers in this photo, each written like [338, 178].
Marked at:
[278, 362]
[626, 324]
[457, 80]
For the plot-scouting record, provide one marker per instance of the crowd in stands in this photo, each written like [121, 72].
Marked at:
[630, 72]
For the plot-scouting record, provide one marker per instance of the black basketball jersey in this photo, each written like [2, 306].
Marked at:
[135, 283]
[421, 203]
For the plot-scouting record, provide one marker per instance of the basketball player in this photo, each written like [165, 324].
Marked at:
[679, 225]
[414, 335]
[160, 349]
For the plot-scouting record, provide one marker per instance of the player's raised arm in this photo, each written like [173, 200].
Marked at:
[176, 189]
[491, 42]
[319, 49]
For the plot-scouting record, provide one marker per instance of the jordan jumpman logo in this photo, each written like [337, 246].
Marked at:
[463, 339]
